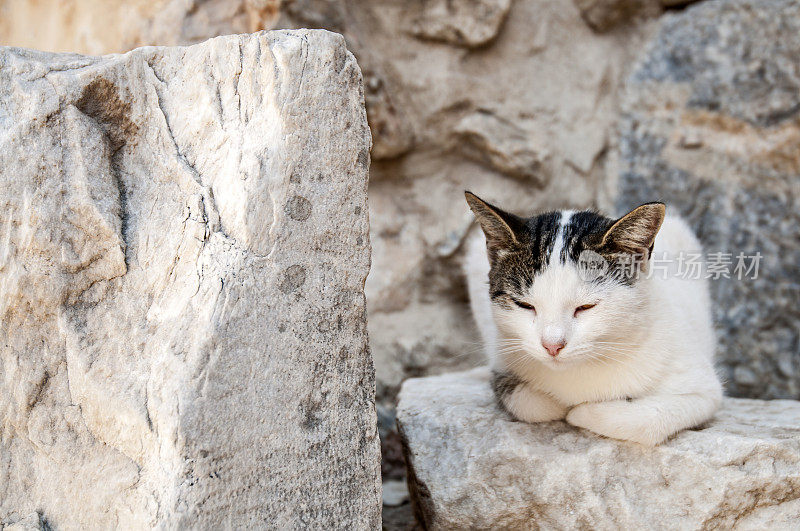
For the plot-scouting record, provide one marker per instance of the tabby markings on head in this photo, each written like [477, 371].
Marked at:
[521, 248]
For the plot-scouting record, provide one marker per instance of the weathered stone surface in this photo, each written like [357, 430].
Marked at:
[32, 522]
[499, 143]
[461, 22]
[391, 133]
[711, 125]
[603, 15]
[470, 466]
[182, 318]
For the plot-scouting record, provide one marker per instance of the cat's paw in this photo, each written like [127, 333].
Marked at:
[615, 419]
[531, 406]
[581, 416]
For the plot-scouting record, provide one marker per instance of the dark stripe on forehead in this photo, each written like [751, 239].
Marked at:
[543, 230]
[582, 232]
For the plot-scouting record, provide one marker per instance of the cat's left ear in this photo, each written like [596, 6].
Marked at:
[635, 232]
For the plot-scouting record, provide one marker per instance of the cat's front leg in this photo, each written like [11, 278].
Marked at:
[523, 402]
[648, 420]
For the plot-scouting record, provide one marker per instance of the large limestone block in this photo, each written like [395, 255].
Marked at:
[711, 125]
[184, 245]
[471, 466]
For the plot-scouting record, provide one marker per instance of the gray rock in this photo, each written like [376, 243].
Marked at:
[502, 145]
[469, 23]
[710, 126]
[391, 134]
[182, 317]
[471, 467]
[32, 522]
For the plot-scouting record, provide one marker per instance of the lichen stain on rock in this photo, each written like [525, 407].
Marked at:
[298, 208]
[101, 101]
[310, 410]
[293, 277]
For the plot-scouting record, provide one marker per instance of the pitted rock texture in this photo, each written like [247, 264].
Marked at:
[711, 126]
[472, 467]
[185, 243]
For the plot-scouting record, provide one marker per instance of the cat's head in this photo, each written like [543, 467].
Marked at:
[566, 287]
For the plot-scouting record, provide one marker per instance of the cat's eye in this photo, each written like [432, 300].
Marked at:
[585, 307]
[524, 305]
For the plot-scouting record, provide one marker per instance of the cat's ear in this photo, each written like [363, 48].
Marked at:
[635, 232]
[499, 227]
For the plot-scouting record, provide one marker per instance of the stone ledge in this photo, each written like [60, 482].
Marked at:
[470, 466]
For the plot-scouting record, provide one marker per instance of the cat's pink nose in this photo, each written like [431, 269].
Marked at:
[553, 348]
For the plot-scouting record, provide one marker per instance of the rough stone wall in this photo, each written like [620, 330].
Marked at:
[711, 125]
[184, 248]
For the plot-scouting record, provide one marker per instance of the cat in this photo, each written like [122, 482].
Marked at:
[576, 329]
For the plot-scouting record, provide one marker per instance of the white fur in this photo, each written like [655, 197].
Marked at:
[638, 366]
[566, 215]
[476, 269]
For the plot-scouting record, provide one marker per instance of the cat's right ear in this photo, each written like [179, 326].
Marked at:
[499, 227]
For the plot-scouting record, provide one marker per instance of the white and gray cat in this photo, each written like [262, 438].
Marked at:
[612, 350]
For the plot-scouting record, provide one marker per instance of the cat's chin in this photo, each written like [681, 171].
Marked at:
[559, 364]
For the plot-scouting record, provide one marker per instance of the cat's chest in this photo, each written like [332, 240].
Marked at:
[592, 384]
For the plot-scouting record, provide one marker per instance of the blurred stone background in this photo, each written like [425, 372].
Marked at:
[535, 104]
